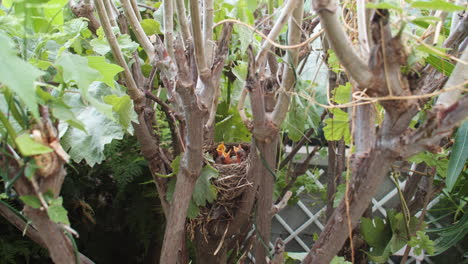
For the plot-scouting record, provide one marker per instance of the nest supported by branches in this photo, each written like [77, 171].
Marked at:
[230, 185]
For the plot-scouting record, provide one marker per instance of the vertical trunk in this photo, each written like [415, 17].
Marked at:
[264, 197]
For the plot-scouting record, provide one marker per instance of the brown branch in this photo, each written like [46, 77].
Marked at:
[190, 165]
[281, 204]
[340, 43]
[31, 231]
[83, 9]
[177, 135]
[296, 148]
[299, 170]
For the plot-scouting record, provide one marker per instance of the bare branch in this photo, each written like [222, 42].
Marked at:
[281, 204]
[340, 43]
[184, 27]
[296, 148]
[285, 13]
[362, 27]
[111, 12]
[241, 109]
[289, 72]
[135, 9]
[139, 33]
[169, 27]
[208, 20]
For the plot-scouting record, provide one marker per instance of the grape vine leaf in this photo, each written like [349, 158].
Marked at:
[101, 130]
[337, 127]
[18, 75]
[57, 213]
[107, 70]
[204, 191]
[28, 147]
[123, 107]
[31, 200]
[76, 70]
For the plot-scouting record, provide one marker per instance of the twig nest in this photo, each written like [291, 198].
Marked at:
[232, 168]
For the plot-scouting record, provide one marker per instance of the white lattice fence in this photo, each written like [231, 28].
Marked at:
[296, 224]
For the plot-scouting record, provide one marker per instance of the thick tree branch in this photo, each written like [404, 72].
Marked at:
[340, 43]
[31, 231]
[190, 166]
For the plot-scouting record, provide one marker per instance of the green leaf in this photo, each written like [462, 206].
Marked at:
[193, 211]
[451, 235]
[100, 46]
[28, 147]
[31, 201]
[337, 127]
[151, 27]
[76, 70]
[339, 260]
[421, 242]
[440, 64]
[54, 12]
[342, 93]
[100, 131]
[204, 191]
[340, 191]
[437, 5]
[458, 156]
[437, 160]
[375, 232]
[296, 121]
[61, 111]
[333, 62]
[18, 75]
[229, 125]
[30, 169]
[57, 212]
[123, 107]
[107, 70]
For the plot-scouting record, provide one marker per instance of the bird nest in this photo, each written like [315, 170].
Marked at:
[232, 179]
[230, 185]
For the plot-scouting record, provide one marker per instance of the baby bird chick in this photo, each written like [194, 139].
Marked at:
[240, 153]
[226, 158]
[220, 150]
